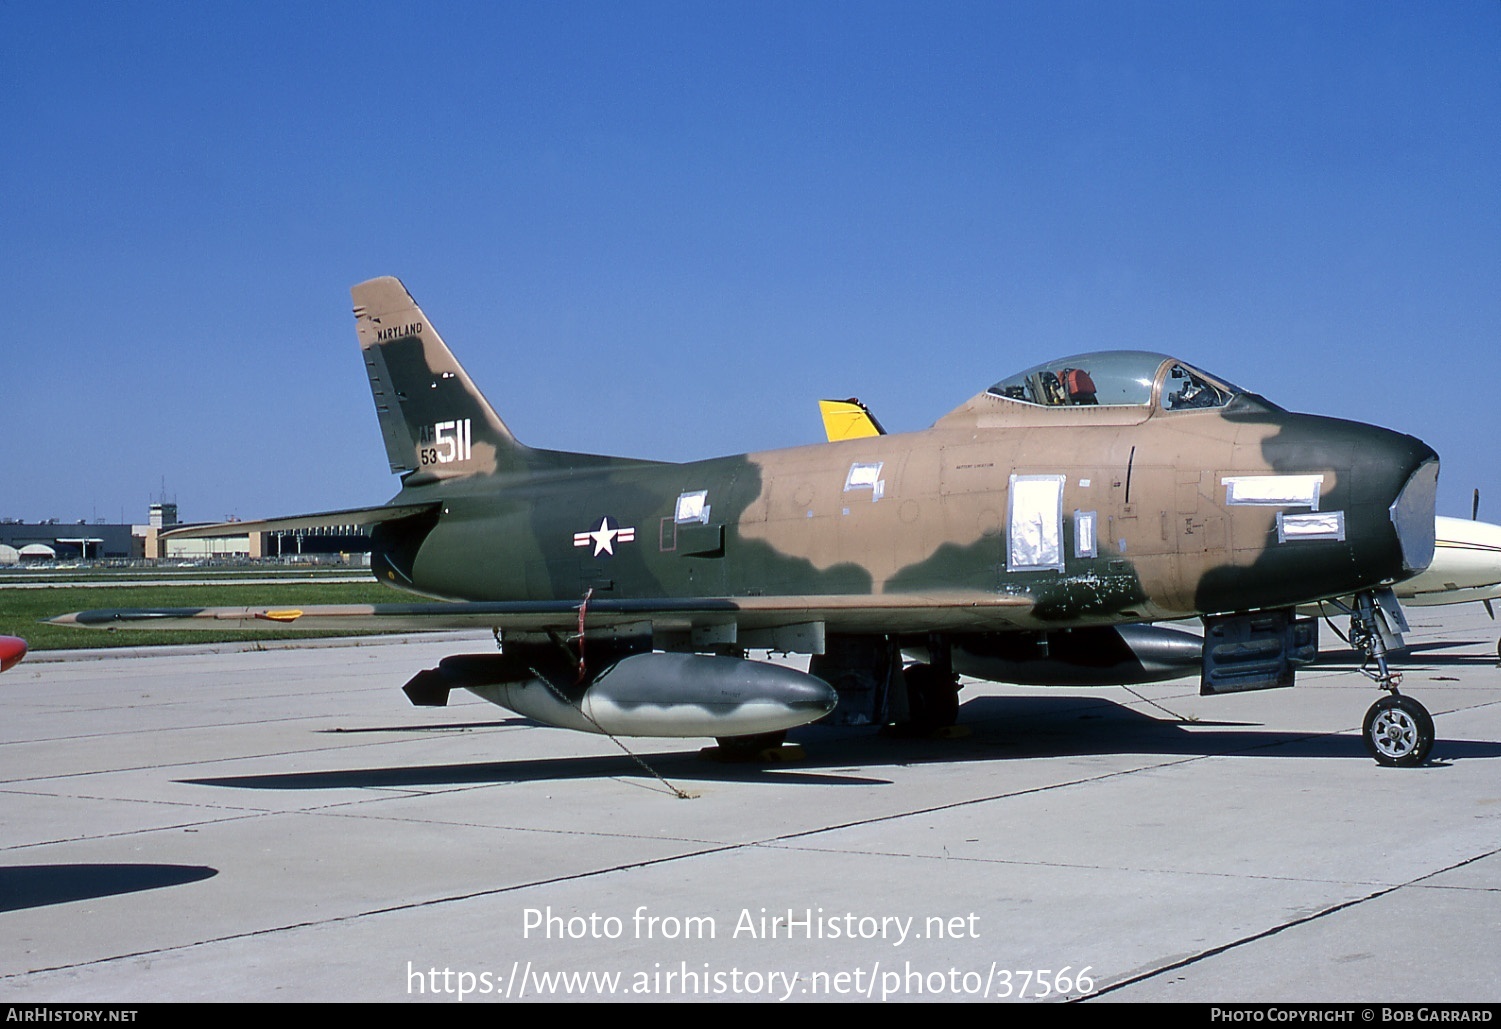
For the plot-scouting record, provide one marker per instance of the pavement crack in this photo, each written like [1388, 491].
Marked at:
[1271, 931]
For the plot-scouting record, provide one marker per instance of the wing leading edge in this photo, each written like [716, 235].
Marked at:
[725, 620]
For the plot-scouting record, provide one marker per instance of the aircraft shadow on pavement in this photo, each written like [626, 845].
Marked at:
[1000, 728]
[35, 886]
[1409, 660]
[672, 765]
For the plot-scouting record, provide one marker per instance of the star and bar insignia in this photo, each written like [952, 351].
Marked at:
[605, 537]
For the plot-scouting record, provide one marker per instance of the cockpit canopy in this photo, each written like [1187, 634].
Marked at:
[1123, 378]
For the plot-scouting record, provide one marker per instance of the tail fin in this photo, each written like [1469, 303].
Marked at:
[435, 421]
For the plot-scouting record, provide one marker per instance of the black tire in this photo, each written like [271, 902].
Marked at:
[932, 698]
[1398, 732]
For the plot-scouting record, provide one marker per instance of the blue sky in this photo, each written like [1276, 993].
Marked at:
[666, 229]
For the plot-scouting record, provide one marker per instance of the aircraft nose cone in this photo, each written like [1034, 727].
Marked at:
[1394, 484]
[1375, 506]
[1412, 514]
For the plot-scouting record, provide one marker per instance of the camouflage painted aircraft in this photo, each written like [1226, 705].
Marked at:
[1102, 490]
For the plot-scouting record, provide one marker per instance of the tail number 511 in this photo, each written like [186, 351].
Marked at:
[450, 441]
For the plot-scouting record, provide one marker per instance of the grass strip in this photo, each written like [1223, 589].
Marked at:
[23, 611]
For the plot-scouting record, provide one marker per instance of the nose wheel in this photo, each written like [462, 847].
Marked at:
[1398, 732]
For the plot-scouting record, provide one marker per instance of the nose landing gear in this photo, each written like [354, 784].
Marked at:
[1398, 731]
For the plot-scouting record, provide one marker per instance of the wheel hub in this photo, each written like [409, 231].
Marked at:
[1395, 733]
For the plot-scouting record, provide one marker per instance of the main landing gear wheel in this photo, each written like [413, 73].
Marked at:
[932, 699]
[1398, 731]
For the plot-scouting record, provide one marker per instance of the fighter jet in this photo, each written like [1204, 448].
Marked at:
[1099, 490]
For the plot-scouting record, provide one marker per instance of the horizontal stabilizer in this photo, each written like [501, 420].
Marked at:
[292, 523]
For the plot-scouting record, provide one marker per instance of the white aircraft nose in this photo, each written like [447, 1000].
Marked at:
[1466, 565]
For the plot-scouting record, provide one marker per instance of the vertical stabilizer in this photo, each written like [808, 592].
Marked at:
[436, 423]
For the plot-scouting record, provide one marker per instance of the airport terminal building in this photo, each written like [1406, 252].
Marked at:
[52, 541]
[61, 541]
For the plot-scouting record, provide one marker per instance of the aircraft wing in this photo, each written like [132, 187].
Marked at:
[291, 523]
[723, 620]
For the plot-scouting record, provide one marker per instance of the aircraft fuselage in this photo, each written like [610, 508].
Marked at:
[1104, 516]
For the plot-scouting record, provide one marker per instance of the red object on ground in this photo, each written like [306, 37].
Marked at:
[12, 649]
